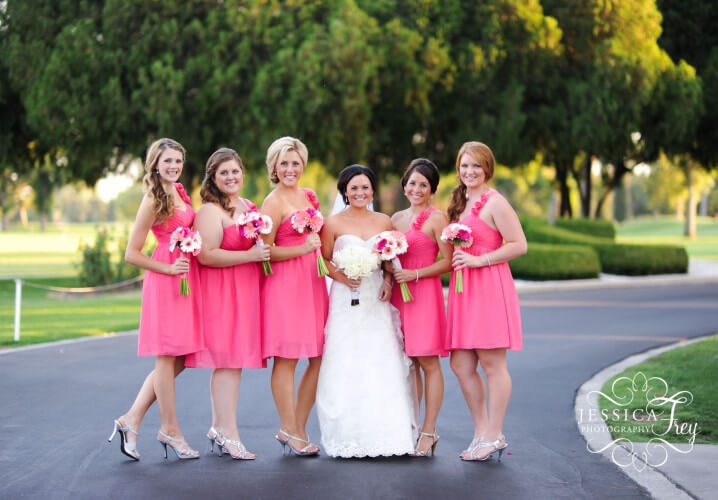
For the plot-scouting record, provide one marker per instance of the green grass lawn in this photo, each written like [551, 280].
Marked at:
[48, 317]
[692, 368]
[669, 231]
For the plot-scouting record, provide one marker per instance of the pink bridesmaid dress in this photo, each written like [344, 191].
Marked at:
[171, 324]
[231, 314]
[294, 300]
[486, 315]
[423, 320]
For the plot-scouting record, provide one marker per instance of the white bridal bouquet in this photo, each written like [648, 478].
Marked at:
[356, 262]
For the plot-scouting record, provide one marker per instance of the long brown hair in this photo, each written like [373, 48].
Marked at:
[209, 191]
[485, 158]
[162, 201]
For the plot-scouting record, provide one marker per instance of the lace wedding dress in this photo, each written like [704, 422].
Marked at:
[366, 394]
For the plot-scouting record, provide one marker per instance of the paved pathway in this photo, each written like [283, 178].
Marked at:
[58, 404]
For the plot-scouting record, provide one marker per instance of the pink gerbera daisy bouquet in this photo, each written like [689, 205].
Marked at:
[251, 225]
[188, 241]
[458, 235]
[389, 245]
[311, 221]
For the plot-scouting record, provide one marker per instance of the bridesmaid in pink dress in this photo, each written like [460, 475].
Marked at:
[170, 324]
[231, 276]
[423, 320]
[484, 320]
[294, 299]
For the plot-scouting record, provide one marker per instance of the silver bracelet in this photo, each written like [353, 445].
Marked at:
[417, 275]
[488, 260]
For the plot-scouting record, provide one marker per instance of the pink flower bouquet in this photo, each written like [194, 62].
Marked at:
[389, 245]
[458, 235]
[311, 221]
[251, 225]
[188, 241]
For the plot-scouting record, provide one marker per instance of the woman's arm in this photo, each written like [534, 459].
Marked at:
[209, 224]
[133, 253]
[507, 223]
[273, 207]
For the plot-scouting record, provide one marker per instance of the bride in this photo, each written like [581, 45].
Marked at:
[365, 400]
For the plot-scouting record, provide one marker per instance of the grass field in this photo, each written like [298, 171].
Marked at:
[669, 231]
[47, 316]
[692, 368]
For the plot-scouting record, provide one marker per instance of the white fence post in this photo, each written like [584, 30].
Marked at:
[18, 301]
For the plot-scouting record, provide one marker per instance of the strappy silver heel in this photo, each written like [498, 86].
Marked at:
[241, 454]
[212, 435]
[285, 443]
[473, 454]
[435, 439]
[129, 449]
[182, 450]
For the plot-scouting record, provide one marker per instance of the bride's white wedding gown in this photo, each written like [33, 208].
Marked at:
[366, 394]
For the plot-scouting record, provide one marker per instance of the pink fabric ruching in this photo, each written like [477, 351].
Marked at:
[486, 315]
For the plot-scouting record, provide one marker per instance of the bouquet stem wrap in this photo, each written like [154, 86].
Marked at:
[266, 266]
[405, 293]
[460, 236]
[187, 241]
[321, 266]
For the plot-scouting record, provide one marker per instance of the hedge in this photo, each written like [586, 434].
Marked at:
[592, 227]
[616, 258]
[556, 262]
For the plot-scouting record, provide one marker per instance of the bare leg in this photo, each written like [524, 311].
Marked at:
[434, 397]
[283, 391]
[463, 364]
[498, 381]
[224, 391]
[143, 401]
[419, 382]
[305, 397]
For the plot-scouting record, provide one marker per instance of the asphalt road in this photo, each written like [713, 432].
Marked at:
[57, 405]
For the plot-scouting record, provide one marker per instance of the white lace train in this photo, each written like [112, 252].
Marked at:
[366, 394]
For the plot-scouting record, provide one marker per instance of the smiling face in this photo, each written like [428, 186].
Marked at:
[470, 172]
[170, 164]
[359, 191]
[289, 168]
[417, 189]
[229, 177]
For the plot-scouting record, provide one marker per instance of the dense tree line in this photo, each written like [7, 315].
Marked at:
[85, 85]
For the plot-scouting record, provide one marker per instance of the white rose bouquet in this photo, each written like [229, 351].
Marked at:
[356, 262]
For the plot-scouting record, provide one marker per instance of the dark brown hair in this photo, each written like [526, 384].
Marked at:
[424, 167]
[209, 191]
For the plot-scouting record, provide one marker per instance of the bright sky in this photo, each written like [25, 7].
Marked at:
[110, 186]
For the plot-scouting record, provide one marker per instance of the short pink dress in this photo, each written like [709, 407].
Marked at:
[423, 320]
[486, 315]
[294, 300]
[231, 314]
[171, 324]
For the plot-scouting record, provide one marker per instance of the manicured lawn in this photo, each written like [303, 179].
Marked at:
[693, 368]
[669, 231]
[47, 317]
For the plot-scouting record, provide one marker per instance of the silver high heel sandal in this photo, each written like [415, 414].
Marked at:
[241, 454]
[435, 439]
[474, 456]
[213, 435]
[129, 449]
[473, 444]
[285, 443]
[182, 450]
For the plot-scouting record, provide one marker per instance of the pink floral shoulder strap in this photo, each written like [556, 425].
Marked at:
[312, 197]
[482, 201]
[419, 222]
[183, 194]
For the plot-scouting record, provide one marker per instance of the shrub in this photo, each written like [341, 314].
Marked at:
[592, 227]
[617, 258]
[124, 270]
[556, 262]
[96, 268]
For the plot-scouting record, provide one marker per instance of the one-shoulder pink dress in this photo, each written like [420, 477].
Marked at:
[171, 324]
[294, 300]
[486, 315]
[423, 320]
[231, 314]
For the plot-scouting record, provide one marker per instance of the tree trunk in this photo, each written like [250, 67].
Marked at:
[703, 207]
[689, 229]
[587, 188]
[628, 197]
[565, 209]
[43, 221]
